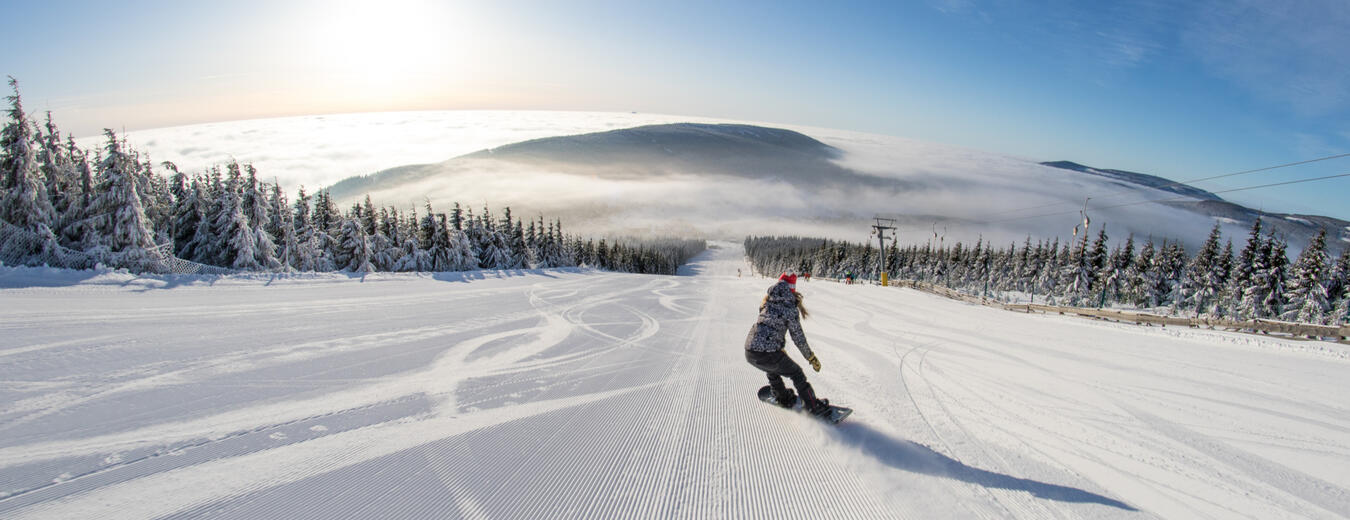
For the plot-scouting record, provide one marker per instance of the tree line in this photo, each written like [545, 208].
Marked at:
[60, 204]
[1258, 281]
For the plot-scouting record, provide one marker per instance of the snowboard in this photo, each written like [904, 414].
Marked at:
[837, 413]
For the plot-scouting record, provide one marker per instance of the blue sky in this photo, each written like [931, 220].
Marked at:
[1184, 90]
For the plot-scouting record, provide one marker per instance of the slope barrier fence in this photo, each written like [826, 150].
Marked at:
[19, 246]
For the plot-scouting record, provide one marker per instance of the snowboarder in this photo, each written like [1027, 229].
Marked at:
[778, 315]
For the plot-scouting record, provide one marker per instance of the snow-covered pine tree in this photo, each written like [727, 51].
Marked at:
[25, 202]
[257, 210]
[1112, 276]
[498, 254]
[524, 255]
[457, 218]
[1242, 275]
[236, 240]
[1306, 295]
[1223, 304]
[206, 247]
[983, 279]
[186, 211]
[1172, 266]
[1023, 266]
[1140, 283]
[125, 237]
[463, 257]
[415, 258]
[534, 244]
[355, 252]
[1078, 273]
[1047, 281]
[63, 183]
[492, 250]
[1251, 304]
[306, 255]
[435, 241]
[1277, 267]
[327, 217]
[1338, 285]
[1341, 314]
[281, 227]
[74, 224]
[153, 190]
[385, 242]
[1264, 296]
[1202, 282]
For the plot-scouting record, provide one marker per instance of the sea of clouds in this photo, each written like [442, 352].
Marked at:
[956, 193]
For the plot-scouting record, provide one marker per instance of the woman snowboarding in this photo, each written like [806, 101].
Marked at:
[778, 315]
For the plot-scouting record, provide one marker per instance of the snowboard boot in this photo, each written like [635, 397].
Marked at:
[812, 404]
[781, 393]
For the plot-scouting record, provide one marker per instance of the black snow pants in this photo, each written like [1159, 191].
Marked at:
[778, 365]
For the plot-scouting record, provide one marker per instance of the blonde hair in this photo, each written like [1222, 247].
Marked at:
[800, 306]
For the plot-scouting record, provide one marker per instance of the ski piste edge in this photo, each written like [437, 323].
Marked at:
[836, 415]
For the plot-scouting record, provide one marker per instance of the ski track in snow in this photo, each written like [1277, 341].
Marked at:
[580, 394]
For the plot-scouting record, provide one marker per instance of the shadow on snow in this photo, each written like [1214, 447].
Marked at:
[914, 457]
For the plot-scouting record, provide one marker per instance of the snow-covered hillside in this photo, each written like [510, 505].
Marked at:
[584, 394]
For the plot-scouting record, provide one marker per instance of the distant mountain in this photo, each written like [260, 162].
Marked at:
[729, 180]
[730, 150]
[1296, 229]
[1142, 179]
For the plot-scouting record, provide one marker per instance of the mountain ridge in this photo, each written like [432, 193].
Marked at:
[738, 173]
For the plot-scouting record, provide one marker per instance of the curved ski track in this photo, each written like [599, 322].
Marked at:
[580, 394]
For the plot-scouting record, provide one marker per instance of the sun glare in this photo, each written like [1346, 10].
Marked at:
[391, 50]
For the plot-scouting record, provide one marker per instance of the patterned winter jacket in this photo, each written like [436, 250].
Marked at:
[777, 317]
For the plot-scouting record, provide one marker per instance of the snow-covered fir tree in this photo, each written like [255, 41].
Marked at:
[281, 225]
[74, 225]
[1306, 295]
[305, 256]
[355, 253]
[58, 170]
[1277, 268]
[124, 235]
[1203, 280]
[24, 202]
[1338, 286]
[236, 239]
[256, 206]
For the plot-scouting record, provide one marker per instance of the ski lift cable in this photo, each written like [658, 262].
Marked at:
[1169, 199]
[1202, 179]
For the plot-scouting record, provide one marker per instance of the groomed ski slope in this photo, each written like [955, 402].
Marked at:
[583, 394]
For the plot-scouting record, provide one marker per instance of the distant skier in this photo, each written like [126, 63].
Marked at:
[778, 315]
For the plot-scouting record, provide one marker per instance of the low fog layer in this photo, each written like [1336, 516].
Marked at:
[726, 181]
[833, 193]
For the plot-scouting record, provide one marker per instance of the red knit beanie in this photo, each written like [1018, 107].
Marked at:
[791, 280]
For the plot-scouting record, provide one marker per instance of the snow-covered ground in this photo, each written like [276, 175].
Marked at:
[576, 393]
